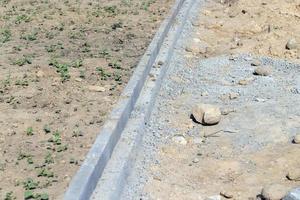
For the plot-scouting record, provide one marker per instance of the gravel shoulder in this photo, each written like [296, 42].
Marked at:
[252, 147]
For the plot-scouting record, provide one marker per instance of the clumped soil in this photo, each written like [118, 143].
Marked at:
[259, 27]
[63, 65]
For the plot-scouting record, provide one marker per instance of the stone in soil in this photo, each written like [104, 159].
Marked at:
[216, 197]
[255, 63]
[291, 44]
[226, 194]
[294, 194]
[246, 81]
[296, 139]
[196, 48]
[206, 114]
[263, 71]
[274, 192]
[179, 139]
[293, 175]
[226, 111]
[96, 88]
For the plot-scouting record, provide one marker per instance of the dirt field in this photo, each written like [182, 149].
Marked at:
[252, 153]
[63, 66]
[256, 27]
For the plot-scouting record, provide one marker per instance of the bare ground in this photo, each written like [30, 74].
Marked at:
[63, 65]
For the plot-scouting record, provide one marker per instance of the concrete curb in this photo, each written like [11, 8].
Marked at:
[114, 177]
[85, 180]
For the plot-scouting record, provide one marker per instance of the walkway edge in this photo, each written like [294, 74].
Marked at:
[85, 180]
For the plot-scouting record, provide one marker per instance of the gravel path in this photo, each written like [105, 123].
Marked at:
[248, 150]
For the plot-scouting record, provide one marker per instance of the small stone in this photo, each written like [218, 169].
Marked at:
[291, 44]
[296, 139]
[78, 79]
[226, 194]
[196, 160]
[40, 74]
[245, 81]
[216, 197]
[160, 63]
[206, 114]
[179, 139]
[196, 48]
[263, 71]
[233, 95]
[273, 192]
[294, 194]
[226, 111]
[256, 62]
[293, 175]
[96, 88]
[198, 140]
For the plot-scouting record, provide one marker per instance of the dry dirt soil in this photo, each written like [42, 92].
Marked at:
[224, 27]
[63, 65]
[259, 27]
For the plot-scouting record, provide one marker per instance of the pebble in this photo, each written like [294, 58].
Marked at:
[294, 194]
[196, 49]
[291, 44]
[226, 111]
[263, 71]
[215, 197]
[296, 139]
[196, 160]
[179, 139]
[233, 95]
[40, 74]
[206, 114]
[96, 88]
[293, 175]
[273, 192]
[255, 63]
[226, 194]
[245, 81]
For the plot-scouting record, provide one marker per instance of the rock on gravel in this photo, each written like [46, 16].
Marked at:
[274, 192]
[294, 194]
[206, 114]
[256, 62]
[263, 71]
[179, 139]
[296, 139]
[291, 44]
[196, 48]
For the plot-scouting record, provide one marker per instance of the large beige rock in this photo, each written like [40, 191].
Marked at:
[206, 114]
[274, 192]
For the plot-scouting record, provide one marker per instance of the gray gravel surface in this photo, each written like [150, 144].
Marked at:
[274, 99]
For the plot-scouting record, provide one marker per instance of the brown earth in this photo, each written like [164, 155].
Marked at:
[196, 171]
[261, 27]
[52, 55]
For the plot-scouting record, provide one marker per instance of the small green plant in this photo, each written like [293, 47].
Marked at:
[9, 196]
[5, 35]
[61, 68]
[111, 10]
[47, 128]
[22, 82]
[82, 74]
[45, 173]
[22, 61]
[30, 36]
[22, 18]
[29, 131]
[49, 159]
[104, 54]
[77, 63]
[115, 65]
[30, 184]
[28, 157]
[61, 148]
[104, 75]
[56, 138]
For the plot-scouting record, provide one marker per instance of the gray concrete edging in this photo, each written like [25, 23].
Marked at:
[85, 180]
